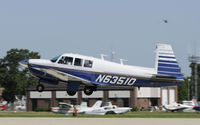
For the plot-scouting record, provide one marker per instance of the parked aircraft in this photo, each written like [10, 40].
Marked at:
[115, 109]
[87, 110]
[176, 107]
[77, 69]
[185, 106]
[97, 109]
[196, 106]
[66, 108]
[3, 105]
[63, 108]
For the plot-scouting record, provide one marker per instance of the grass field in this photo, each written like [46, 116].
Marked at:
[139, 114]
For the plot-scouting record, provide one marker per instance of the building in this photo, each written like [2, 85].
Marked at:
[119, 95]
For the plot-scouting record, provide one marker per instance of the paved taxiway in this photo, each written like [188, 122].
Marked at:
[98, 121]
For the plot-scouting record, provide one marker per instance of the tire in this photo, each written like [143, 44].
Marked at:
[71, 93]
[88, 90]
[110, 112]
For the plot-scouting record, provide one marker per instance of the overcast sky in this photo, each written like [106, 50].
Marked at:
[131, 28]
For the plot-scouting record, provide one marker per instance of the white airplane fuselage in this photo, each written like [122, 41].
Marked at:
[94, 71]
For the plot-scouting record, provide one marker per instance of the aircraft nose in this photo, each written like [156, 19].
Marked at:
[24, 63]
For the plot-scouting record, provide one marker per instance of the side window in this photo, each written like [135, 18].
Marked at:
[88, 63]
[78, 62]
[61, 61]
[66, 60]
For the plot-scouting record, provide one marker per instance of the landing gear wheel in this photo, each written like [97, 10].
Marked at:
[71, 93]
[88, 90]
[40, 88]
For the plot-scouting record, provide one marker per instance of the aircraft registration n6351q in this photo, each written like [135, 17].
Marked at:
[75, 69]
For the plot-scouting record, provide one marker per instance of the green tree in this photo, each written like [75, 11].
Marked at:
[13, 77]
[183, 90]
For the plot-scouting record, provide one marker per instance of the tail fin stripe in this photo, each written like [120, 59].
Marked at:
[172, 54]
[172, 74]
[168, 73]
[170, 57]
[169, 69]
[167, 61]
[168, 65]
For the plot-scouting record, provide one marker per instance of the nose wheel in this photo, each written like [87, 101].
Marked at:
[40, 88]
[88, 90]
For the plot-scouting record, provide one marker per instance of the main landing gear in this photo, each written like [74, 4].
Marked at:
[71, 93]
[88, 90]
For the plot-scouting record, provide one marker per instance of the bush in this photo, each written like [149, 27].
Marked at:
[134, 109]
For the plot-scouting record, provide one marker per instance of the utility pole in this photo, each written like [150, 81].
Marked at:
[194, 60]
[188, 87]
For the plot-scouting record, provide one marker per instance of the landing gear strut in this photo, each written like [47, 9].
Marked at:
[40, 88]
[88, 90]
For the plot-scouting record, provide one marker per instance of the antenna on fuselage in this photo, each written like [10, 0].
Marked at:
[112, 55]
[122, 61]
[102, 56]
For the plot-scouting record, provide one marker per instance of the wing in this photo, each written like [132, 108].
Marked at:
[64, 76]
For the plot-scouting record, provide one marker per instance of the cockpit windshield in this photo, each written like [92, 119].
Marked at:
[55, 59]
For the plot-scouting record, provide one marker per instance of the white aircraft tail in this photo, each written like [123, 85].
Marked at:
[97, 104]
[83, 104]
[166, 63]
[195, 102]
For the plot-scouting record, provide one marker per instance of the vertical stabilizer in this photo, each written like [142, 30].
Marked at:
[195, 102]
[166, 63]
[97, 104]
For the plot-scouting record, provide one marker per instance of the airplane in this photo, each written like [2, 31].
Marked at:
[196, 105]
[63, 108]
[3, 105]
[66, 108]
[88, 110]
[176, 107]
[76, 69]
[185, 106]
[108, 108]
[115, 109]
[165, 21]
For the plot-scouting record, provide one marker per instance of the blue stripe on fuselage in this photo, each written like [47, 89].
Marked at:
[139, 82]
[93, 76]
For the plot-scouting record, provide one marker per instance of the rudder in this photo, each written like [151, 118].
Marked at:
[166, 63]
